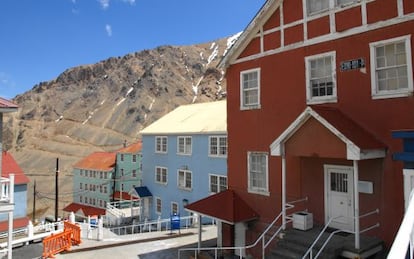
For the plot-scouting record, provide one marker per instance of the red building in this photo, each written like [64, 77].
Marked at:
[315, 90]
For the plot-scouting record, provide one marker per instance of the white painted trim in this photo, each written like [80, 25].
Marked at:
[408, 187]
[178, 145]
[353, 151]
[400, 7]
[321, 99]
[282, 25]
[305, 20]
[329, 37]
[364, 14]
[397, 93]
[265, 191]
[349, 169]
[250, 107]
[185, 171]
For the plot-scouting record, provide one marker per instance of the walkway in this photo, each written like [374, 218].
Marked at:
[146, 245]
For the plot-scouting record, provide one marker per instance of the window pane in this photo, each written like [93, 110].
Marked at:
[250, 88]
[317, 5]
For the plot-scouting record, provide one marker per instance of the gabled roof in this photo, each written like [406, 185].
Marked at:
[360, 143]
[133, 148]
[7, 106]
[102, 161]
[142, 192]
[197, 118]
[9, 166]
[252, 29]
[84, 209]
[226, 206]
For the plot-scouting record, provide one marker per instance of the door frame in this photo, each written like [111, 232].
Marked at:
[350, 170]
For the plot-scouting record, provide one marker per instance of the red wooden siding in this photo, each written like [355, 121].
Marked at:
[292, 11]
[272, 41]
[252, 48]
[408, 6]
[294, 34]
[348, 19]
[381, 10]
[318, 27]
[273, 21]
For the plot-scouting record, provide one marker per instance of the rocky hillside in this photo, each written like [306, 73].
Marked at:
[98, 107]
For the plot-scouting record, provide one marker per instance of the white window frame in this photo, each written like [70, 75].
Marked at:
[161, 147]
[186, 148]
[376, 94]
[321, 99]
[172, 208]
[331, 5]
[158, 211]
[408, 186]
[249, 106]
[161, 168]
[255, 189]
[183, 186]
[218, 148]
[218, 177]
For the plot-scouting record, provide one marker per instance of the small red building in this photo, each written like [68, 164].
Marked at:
[315, 90]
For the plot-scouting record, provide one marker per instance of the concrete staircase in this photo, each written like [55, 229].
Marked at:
[293, 244]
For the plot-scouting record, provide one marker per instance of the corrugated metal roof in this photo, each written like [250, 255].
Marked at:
[103, 161]
[192, 119]
[4, 103]
[133, 148]
[9, 166]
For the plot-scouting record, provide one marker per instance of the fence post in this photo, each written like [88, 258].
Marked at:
[100, 229]
[72, 217]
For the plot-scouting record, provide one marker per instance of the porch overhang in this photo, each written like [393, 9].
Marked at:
[359, 143]
[225, 206]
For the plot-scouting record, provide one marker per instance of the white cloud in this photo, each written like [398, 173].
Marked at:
[108, 29]
[131, 2]
[104, 4]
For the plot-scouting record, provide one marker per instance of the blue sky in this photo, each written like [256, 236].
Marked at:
[39, 39]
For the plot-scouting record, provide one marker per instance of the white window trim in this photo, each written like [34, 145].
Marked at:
[166, 147]
[218, 146]
[253, 106]
[166, 175]
[408, 173]
[185, 180]
[185, 151]
[321, 99]
[333, 4]
[395, 93]
[156, 207]
[218, 182]
[255, 190]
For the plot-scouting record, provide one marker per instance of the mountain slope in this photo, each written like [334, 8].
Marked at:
[97, 107]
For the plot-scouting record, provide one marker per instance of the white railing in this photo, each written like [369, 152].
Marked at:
[404, 240]
[153, 226]
[114, 211]
[309, 252]
[5, 189]
[261, 238]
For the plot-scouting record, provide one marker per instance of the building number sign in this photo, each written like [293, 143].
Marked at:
[352, 64]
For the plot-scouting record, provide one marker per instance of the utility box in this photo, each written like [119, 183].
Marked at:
[302, 220]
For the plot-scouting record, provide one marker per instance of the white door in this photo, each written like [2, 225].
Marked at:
[339, 201]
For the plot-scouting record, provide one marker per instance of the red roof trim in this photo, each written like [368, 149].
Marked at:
[226, 206]
[86, 210]
[17, 223]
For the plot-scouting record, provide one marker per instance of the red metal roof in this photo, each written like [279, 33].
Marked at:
[104, 161]
[85, 209]
[9, 166]
[4, 103]
[125, 196]
[133, 148]
[226, 206]
[17, 223]
[351, 130]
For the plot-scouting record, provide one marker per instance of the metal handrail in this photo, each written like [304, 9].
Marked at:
[260, 238]
[310, 250]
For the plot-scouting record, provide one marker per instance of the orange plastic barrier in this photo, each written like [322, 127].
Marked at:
[76, 232]
[56, 243]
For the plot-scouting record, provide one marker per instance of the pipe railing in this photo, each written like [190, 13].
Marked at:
[310, 250]
[261, 238]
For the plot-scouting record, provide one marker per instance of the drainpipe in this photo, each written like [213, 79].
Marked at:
[356, 205]
[283, 187]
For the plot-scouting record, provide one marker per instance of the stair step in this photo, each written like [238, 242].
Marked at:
[284, 253]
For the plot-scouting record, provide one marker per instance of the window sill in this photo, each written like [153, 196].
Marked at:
[185, 189]
[389, 95]
[260, 192]
[322, 100]
[251, 107]
[161, 183]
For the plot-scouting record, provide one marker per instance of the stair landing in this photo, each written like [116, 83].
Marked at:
[294, 244]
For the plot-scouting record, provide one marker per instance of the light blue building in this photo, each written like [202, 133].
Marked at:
[185, 157]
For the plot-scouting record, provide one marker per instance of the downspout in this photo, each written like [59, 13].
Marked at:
[356, 205]
[283, 186]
